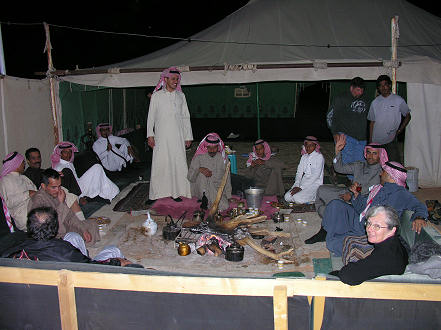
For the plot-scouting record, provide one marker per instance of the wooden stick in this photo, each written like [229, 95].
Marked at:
[262, 231]
[220, 191]
[275, 256]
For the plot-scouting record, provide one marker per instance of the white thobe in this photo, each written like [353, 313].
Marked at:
[14, 188]
[108, 158]
[309, 177]
[200, 183]
[93, 182]
[169, 123]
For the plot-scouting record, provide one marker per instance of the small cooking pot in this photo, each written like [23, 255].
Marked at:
[277, 217]
[234, 252]
[184, 249]
[171, 229]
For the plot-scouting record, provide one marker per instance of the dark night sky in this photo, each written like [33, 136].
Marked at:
[24, 44]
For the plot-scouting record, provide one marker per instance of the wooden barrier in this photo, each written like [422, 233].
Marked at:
[280, 289]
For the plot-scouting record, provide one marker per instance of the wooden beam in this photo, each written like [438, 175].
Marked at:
[318, 308]
[66, 299]
[28, 276]
[280, 305]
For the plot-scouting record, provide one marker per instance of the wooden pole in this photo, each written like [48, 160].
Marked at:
[394, 40]
[48, 49]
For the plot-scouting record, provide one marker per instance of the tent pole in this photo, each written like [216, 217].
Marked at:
[258, 111]
[48, 49]
[394, 39]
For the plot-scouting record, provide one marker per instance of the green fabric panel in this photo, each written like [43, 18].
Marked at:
[82, 104]
[277, 100]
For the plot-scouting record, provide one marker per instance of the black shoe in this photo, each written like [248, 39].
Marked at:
[149, 202]
[319, 237]
[99, 199]
[177, 200]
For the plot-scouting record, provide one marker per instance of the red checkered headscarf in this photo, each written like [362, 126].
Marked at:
[382, 152]
[56, 155]
[11, 162]
[103, 125]
[211, 139]
[397, 172]
[253, 155]
[167, 73]
[312, 139]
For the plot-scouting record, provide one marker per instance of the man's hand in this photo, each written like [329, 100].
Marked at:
[354, 188]
[295, 190]
[87, 236]
[187, 144]
[32, 193]
[205, 171]
[151, 141]
[417, 224]
[109, 146]
[61, 195]
[346, 196]
[340, 143]
[124, 262]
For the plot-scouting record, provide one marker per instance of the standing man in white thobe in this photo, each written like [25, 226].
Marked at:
[168, 134]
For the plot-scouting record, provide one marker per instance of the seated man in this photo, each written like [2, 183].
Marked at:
[366, 173]
[265, 169]
[51, 195]
[42, 226]
[341, 219]
[16, 188]
[93, 182]
[10, 235]
[207, 169]
[309, 174]
[112, 156]
[35, 173]
[388, 256]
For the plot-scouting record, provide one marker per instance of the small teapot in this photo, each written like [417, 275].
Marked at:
[184, 249]
[149, 226]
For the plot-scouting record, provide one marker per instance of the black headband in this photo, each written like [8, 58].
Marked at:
[11, 157]
[306, 139]
[174, 71]
[376, 146]
[396, 167]
[104, 125]
[64, 147]
[257, 143]
[212, 141]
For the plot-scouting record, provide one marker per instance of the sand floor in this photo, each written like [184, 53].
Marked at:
[157, 253]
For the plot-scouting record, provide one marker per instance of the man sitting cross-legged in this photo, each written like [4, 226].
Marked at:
[51, 195]
[341, 219]
[43, 244]
[93, 183]
[114, 152]
[265, 169]
[366, 173]
[207, 169]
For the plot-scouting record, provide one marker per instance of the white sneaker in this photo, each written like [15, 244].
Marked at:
[233, 136]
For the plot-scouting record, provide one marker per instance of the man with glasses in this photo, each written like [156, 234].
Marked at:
[341, 219]
[388, 255]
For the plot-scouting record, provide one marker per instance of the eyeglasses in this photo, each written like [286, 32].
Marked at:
[375, 226]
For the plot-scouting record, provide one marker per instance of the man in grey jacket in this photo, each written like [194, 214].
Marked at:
[366, 173]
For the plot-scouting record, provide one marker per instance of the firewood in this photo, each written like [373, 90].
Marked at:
[220, 190]
[239, 221]
[214, 247]
[262, 231]
[275, 256]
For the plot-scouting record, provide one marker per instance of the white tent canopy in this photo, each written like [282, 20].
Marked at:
[309, 40]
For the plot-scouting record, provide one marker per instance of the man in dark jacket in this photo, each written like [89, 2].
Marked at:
[42, 228]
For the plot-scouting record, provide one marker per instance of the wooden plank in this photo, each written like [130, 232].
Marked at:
[66, 298]
[280, 305]
[28, 276]
[318, 308]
